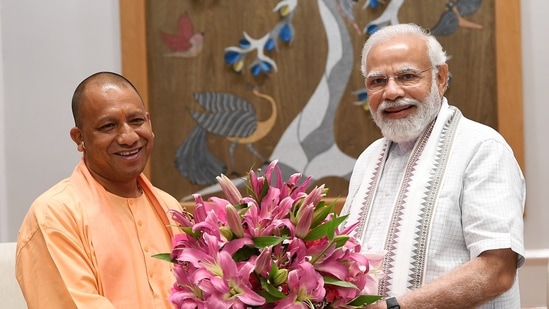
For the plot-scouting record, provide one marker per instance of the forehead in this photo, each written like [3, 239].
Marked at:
[103, 99]
[403, 51]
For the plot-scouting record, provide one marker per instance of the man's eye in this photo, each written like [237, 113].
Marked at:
[107, 126]
[137, 121]
[378, 81]
[407, 77]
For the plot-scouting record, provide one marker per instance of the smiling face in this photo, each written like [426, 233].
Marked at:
[411, 96]
[116, 131]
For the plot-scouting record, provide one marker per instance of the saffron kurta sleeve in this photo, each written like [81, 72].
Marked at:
[55, 264]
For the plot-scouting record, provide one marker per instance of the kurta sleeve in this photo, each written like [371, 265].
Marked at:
[54, 263]
[493, 200]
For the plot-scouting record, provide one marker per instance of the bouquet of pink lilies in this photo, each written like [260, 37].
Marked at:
[278, 247]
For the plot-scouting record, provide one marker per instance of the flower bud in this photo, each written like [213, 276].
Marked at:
[229, 189]
[226, 233]
[234, 221]
[280, 277]
[304, 219]
[263, 262]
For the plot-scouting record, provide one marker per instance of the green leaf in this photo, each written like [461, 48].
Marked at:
[189, 231]
[265, 241]
[325, 229]
[364, 300]
[164, 257]
[336, 282]
[264, 189]
[321, 212]
[269, 298]
[340, 240]
[274, 270]
[241, 206]
[333, 225]
[244, 253]
[317, 232]
[270, 292]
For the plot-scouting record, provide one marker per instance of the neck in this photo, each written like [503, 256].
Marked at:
[126, 189]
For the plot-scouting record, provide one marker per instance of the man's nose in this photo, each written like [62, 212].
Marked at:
[127, 135]
[393, 89]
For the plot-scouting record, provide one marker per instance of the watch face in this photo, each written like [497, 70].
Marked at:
[392, 303]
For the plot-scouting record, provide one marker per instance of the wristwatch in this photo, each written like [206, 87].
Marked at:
[392, 303]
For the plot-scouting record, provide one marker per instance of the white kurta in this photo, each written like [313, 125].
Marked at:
[437, 204]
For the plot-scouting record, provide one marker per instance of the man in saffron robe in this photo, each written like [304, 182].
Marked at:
[441, 195]
[88, 241]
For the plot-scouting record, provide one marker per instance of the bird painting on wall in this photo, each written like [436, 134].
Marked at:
[228, 116]
[452, 18]
[186, 43]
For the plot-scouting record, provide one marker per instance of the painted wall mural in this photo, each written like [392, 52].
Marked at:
[236, 84]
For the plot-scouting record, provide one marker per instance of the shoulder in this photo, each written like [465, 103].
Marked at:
[480, 151]
[474, 135]
[58, 199]
[58, 208]
[478, 131]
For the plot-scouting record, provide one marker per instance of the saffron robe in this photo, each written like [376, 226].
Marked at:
[80, 246]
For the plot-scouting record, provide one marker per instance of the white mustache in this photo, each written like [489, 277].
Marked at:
[397, 103]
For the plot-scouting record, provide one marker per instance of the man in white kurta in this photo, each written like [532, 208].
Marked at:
[464, 200]
[441, 195]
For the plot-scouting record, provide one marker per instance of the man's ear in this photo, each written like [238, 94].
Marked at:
[443, 78]
[76, 136]
[150, 122]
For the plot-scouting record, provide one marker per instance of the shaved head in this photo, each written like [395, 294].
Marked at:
[98, 79]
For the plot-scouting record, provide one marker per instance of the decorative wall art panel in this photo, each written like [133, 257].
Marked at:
[232, 85]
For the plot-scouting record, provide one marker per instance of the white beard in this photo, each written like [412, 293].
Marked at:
[409, 128]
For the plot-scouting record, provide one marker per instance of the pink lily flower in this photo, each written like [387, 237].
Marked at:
[269, 171]
[296, 253]
[287, 189]
[186, 290]
[269, 202]
[217, 205]
[180, 218]
[315, 196]
[252, 222]
[229, 189]
[232, 289]
[299, 190]
[283, 208]
[209, 224]
[256, 185]
[306, 286]
[232, 246]
[375, 272]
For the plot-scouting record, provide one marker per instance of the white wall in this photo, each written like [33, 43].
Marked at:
[535, 51]
[47, 47]
[3, 184]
